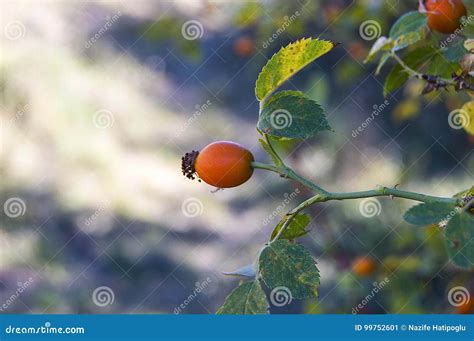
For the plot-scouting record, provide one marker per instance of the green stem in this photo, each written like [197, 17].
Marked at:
[323, 195]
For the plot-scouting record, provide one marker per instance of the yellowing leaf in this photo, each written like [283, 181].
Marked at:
[288, 61]
[468, 112]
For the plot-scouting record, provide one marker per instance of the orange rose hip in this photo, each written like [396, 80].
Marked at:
[222, 164]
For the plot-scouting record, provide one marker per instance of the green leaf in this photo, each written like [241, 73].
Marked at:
[460, 239]
[269, 151]
[385, 57]
[248, 298]
[288, 61]
[245, 271]
[439, 66]
[466, 193]
[291, 266]
[430, 213]
[295, 229]
[453, 51]
[408, 29]
[281, 94]
[290, 115]
[414, 59]
[381, 44]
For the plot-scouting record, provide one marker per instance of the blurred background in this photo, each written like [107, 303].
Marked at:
[99, 101]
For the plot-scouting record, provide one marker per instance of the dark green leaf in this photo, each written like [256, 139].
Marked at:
[430, 213]
[290, 115]
[460, 239]
[291, 266]
[440, 66]
[295, 229]
[248, 298]
[288, 61]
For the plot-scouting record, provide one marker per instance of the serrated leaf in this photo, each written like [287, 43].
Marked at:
[282, 94]
[414, 59]
[429, 213]
[292, 116]
[408, 29]
[288, 61]
[248, 298]
[245, 271]
[291, 266]
[295, 229]
[460, 239]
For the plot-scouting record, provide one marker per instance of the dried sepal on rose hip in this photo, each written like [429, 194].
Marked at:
[444, 16]
[222, 164]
